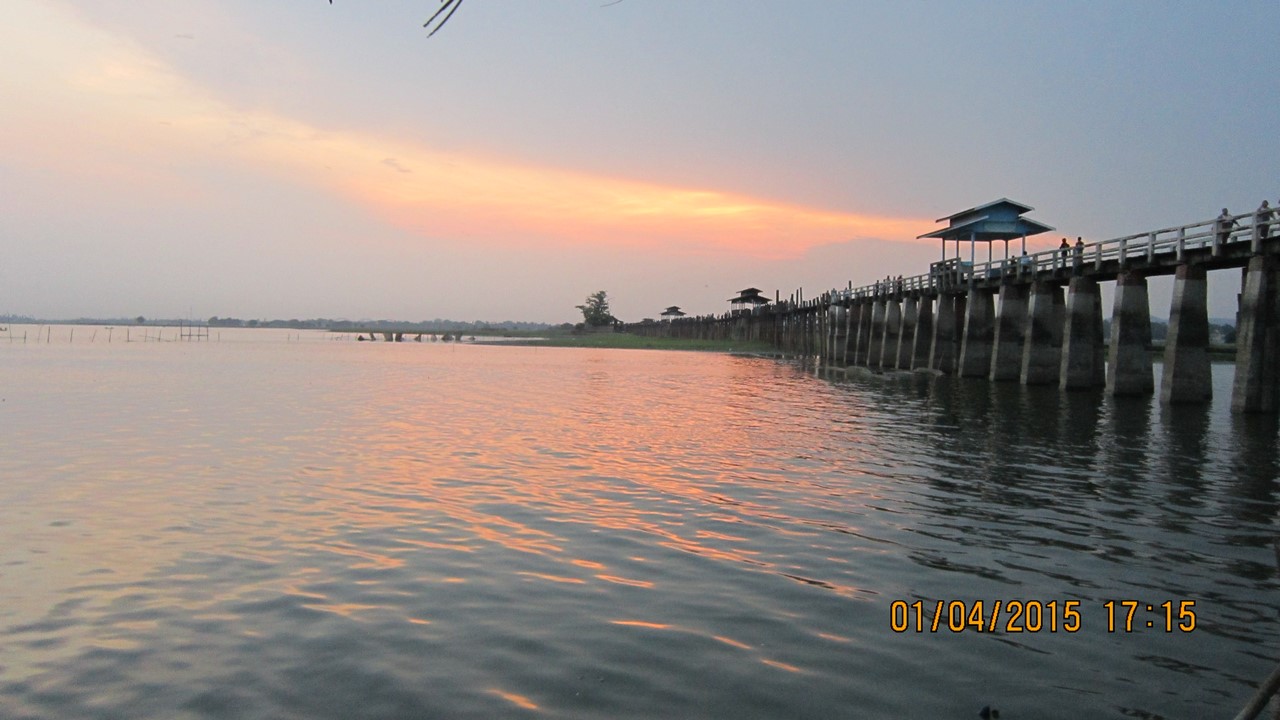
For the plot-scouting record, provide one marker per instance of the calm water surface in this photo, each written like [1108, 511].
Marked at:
[276, 526]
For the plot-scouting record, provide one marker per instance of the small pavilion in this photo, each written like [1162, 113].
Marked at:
[747, 300]
[673, 312]
[997, 220]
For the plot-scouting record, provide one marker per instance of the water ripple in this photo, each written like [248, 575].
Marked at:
[380, 531]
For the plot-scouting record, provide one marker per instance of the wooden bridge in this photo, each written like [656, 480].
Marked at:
[945, 320]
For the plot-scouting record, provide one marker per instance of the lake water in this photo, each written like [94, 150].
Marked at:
[275, 525]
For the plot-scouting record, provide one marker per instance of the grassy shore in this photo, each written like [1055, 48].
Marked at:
[627, 341]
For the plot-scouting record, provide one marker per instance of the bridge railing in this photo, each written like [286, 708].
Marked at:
[1213, 234]
[954, 273]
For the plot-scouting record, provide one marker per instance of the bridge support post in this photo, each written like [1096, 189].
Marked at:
[838, 325]
[907, 333]
[1186, 351]
[1128, 364]
[1006, 355]
[920, 344]
[1082, 360]
[864, 332]
[944, 346]
[876, 341]
[848, 349]
[1257, 382]
[1042, 344]
[892, 326]
[979, 330]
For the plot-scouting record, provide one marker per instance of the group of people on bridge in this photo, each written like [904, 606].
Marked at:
[1262, 218]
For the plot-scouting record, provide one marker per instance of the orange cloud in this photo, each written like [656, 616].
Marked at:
[448, 196]
[144, 116]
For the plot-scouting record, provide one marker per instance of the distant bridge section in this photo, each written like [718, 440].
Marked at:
[1049, 327]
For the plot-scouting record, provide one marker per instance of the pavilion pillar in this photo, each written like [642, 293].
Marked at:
[1006, 356]
[907, 333]
[1042, 344]
[1082, 360]
[922, 338]
[892, 326]
[1128, 363]
[1257, 382]
[979, 331]
[1186, 375]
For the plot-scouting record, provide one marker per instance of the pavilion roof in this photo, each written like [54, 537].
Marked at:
[750, 295]
[997, 220]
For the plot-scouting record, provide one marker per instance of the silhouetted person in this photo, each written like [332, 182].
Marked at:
[1263, 220]
[1064, 248]
[1079, 255]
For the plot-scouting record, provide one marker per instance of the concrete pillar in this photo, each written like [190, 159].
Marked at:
[876, 341]
[923, 336]
[1081, 336]
[839, 325]
[979, 331]
[865, 310]
[1006, 352]
[1186, 351]
[1128, 363]
[1042, 333]
[892, 326]
[1257, 385]
[907, 333]
[942, 348]
[1099, 346]
[849, 350]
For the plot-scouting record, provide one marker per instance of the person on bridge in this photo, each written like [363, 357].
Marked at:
[1064, 248]
[1263, 220]
[1224, 225]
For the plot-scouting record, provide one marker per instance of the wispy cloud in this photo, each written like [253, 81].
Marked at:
[163, 120]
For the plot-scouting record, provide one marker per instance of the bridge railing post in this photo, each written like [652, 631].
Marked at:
[1124, 251]
[1151, 248]
[1182, 244]
[1097, 257]
[1255, 242]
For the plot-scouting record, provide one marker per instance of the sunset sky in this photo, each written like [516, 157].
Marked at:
[294, 159]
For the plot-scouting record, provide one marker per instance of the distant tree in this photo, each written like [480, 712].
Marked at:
[595, 311]
[139, 320]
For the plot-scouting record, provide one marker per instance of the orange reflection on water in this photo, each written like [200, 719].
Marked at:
[347, 610]
[553, 578]
[625, 581]
[642, 623]
[518, 700]
[781, 665]
[731, 642]
[491, 459]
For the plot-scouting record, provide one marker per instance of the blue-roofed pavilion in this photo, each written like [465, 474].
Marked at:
[997, 220]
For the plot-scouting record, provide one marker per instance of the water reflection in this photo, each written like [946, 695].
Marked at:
[474, 532]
